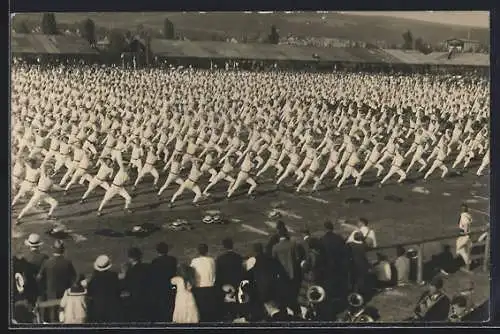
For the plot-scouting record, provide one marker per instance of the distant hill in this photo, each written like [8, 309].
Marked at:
[238, 24]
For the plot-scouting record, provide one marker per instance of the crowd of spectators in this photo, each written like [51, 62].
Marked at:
[272, 284]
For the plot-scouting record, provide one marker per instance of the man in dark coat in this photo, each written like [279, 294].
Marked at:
[228, 270]
[359, 265]
[433, 305]
[285, 252]
[34, 259]
[163, 268]
[57, 274]
[264, 273]
[137, 284]
[103, 290]
[336, 272]
[275, 238]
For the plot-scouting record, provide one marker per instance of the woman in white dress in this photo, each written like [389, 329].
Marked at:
[185, 310]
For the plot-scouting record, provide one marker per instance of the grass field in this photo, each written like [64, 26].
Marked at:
[404, 217]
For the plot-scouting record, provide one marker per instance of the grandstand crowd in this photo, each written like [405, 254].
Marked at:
[195, 129]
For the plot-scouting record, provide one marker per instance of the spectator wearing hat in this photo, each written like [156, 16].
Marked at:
[228, 268]
[433, 305]
[402, 266]
[204, 293]
[73, 306]
[336, 269]
[285, 253]
[359, 265]
[274, 239]
[34, 259]
[104, 293]
[56, 274]
[163, 268]
[136, 283]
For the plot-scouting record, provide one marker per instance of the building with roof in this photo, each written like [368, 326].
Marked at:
[463, 45]
[51, 47]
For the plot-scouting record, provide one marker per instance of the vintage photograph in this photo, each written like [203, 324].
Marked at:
[249, 167]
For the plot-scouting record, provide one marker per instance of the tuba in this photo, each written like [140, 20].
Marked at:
[356, 312]
[315, 294]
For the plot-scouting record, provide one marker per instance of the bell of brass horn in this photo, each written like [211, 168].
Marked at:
[315, 294]
[364, 318]
[355, 300]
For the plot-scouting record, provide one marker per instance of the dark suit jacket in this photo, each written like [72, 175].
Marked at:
[229, 269]
[285, 252]
[33, 262]
[162, 269]
[104, 293]
[264, 274]
[334, 249]
[358, 259]
[57, 274]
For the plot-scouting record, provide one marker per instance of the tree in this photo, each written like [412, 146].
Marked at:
[88, 31]
[421, 46]
[408, 40]
[274, 37]
[116, 41]
[21, 27]
[49, 25]
[168, 29]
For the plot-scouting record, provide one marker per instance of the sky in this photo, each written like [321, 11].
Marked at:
[465, 18]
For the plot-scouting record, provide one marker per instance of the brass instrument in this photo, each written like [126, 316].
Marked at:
[356, 312]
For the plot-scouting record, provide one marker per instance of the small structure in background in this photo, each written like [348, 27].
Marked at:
[462, 45]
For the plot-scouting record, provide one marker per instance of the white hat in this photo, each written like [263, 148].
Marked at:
[102, 263]
[33, 240]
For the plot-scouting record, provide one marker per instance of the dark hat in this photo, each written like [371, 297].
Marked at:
[134, 253]
[437, 282]
[162, 248]
[58, 246]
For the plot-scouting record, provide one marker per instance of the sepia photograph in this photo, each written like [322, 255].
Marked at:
[249, 168]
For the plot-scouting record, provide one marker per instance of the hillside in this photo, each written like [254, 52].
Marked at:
[238, 24]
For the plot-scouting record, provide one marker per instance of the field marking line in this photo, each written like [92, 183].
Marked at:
[479, 211]
[317, 199]
[254, 229]
[482, 197]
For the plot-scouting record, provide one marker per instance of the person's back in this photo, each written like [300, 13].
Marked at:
[402, 266]
[229, 267]
[285, 252]
[104, 293]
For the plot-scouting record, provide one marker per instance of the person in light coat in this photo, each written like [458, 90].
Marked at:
[73, 306]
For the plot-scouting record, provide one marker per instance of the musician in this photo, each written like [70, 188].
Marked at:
[433, 305]
[357, 311]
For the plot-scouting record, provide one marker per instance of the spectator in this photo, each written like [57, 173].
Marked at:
[136, 283]
[34, 259]
[74, 304]
[228, 266]
[303, 246]
[275, 238]
[433, 305]
[359, 265]
[105, 305]
[204, 293]
[285, 252]
[463, 249]
[185, 309]
[382, 271]
[465, 220]
[312, 269]
[336, 270]
[56, 274]
[402, 266]
[163, 269]
[368, 234]
[264, 273]
[228, 269]
[445, 262]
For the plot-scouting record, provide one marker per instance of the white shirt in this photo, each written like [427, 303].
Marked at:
[465, 221]
[368, 233]
[205, 271]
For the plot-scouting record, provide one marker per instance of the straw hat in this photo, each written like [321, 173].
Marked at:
[33, 241]
[102, 263]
